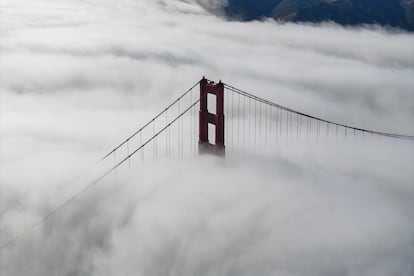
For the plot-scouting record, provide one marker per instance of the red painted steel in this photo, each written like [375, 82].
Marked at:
[205, 117]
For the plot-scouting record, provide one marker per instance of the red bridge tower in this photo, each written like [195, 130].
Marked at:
[205, 117]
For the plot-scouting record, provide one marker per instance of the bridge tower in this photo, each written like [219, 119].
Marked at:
[206, 118]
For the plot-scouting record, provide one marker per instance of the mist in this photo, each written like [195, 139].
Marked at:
[77, 77]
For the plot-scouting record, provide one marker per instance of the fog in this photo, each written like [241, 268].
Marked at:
[77, 77]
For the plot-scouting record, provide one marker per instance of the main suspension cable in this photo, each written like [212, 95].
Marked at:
[151, 121]
[261, 100]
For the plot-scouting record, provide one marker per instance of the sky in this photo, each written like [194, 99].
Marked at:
[77, 77]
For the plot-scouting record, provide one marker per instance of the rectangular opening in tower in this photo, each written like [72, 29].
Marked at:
[211, 103]
[211, 133]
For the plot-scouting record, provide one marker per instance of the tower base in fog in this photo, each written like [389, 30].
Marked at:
[207, 148]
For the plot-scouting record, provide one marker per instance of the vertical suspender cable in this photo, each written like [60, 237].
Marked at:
[178, 132]
[129, 160]
[297, 127]
[191, 125]
[153, 141]
[270, 122]
[182, 136]
[238, 120]
[142, 151]
[166, 135]
[336, 131]
[310, 127]
[266, 123]
[250, 118]
[287, 125]
[255, 122]
[260, 122]
[244, 124]
[232, 120]
[277, 122]
[327, 129]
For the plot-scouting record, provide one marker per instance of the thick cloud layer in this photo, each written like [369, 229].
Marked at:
[78, 76]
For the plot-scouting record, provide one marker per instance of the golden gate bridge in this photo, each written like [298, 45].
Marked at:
[217, 119]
